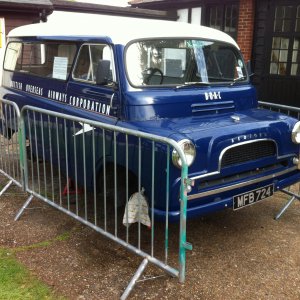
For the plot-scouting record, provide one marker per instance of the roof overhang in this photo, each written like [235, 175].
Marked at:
[46, 7]
[165, 4]
[90, 8]
[29, 6]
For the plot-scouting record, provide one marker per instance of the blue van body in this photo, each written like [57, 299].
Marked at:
[239, 147]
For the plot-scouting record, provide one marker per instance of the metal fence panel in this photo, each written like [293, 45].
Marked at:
[89, 170]
[10, 159]
[288, 110]
[73, 164]
[294, 112]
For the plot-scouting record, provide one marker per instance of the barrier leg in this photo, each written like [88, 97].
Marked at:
[23, 207]
[134, 279]
[6, 187]
[294, 197]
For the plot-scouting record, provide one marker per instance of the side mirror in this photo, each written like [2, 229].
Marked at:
[103, 72]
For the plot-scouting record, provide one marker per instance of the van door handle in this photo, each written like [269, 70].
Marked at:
[93, 93]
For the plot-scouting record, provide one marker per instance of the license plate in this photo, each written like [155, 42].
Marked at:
[245, 199]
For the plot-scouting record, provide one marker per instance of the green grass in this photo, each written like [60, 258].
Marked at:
[16, 282]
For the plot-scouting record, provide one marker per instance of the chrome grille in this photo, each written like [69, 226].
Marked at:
[212, 107]
[248, 152]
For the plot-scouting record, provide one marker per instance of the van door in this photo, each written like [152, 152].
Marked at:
[85, 93]
[92, 94]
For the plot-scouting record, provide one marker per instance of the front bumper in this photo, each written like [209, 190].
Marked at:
[222, 197]
[242, 184]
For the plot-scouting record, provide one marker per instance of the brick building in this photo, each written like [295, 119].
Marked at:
[234, 17]
[15, 13]
[268, 32]
[245, 27]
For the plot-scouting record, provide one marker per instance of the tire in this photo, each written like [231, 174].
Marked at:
[121, 185]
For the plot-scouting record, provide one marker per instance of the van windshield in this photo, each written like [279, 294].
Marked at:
[181, 61]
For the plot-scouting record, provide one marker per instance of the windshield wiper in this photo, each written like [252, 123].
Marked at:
[238, 79]
[188, 84]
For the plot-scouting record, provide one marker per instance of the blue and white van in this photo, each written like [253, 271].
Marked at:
[176, 80]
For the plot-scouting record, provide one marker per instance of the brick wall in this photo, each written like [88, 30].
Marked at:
[246, 27]
[13, 20]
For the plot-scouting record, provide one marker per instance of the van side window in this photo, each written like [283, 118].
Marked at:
[88, 61]
[51, 60]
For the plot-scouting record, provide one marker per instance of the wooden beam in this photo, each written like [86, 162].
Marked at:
[112, 10]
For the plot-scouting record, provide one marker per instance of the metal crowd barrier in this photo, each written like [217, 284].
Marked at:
[294, 112]
[39, 150]
[53, 145]
[288, 110]
[10, 164]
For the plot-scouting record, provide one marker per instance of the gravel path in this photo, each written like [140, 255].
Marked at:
[236, 255]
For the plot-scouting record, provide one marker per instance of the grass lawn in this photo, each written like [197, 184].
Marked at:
[16, 282]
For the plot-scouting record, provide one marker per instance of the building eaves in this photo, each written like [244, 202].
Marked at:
[60, 5]
[144, 1]
[163, 4]
[26, 5]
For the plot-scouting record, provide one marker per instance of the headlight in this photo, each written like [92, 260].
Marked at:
[189, 151]
[296, 133]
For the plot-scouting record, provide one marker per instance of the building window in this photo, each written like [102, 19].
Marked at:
[223, 17]
[279, 56]
[231, 19]
[183, 15]
[190, 15]
[196, 15]
[283, 18]
[297, 27]
[215, 17]
[285, 52]
[295, 70]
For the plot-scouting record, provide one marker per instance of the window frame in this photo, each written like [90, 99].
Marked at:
[114, 74]
[223, 6]
[168, 86]
[291, 35]
[42, 42]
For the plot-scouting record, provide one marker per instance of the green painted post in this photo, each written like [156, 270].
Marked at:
[183, 245]
[167, 205]
[22, 145]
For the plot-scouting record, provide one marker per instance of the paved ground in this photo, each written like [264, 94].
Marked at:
[236, 255]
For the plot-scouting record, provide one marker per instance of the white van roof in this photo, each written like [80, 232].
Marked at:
[120, 30]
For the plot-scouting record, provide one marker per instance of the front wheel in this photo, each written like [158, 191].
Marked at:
[116, 193]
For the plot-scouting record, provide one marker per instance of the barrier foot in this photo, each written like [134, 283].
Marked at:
[23, 207]
[134, 279]
[6, 187]
[285, 208]
[294, 197]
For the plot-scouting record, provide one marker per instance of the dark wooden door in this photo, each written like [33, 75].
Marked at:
[278, 38]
